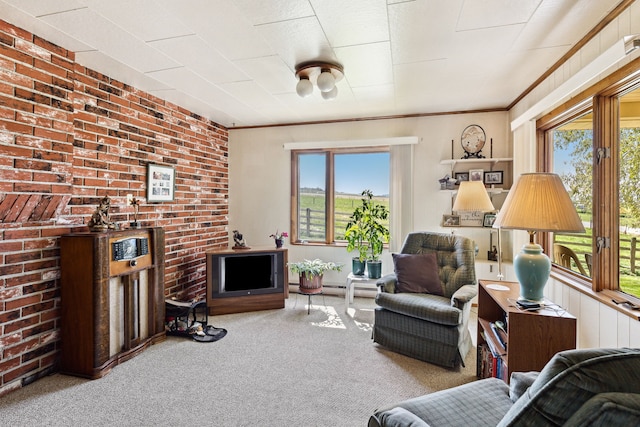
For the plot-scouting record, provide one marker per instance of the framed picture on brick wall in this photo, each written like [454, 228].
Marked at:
[160, 183]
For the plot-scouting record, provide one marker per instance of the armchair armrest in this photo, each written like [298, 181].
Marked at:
[387, 283]
[463, 295]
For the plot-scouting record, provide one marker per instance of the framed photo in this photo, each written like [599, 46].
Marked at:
[489, 219]
[493, 177]
[476, 175]
[450, 221]
[461, 176]
[160, 183]
[470, 218]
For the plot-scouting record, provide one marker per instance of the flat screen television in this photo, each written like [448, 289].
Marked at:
[233, 275]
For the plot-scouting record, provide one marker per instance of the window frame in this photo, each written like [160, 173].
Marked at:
[329, 192]
[602, 99]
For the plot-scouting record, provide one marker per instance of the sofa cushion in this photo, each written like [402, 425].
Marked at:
[608, 409]
[432, 308]
[417, 273]
[580, 374]
[479, 404]
[400, 417]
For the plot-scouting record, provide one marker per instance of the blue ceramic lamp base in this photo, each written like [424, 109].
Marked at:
[532, 268]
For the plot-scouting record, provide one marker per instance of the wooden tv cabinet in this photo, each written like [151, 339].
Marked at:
[532, 338]
[250, 301]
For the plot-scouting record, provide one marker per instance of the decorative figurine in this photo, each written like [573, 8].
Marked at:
[239, 241]
[100, 219]
[443, 182]
[136, 208]
[493, 254]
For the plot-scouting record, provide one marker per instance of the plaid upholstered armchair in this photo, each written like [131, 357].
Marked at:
[424, 307]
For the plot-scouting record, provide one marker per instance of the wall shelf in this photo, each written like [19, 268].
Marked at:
[453, 162]
[489, 190]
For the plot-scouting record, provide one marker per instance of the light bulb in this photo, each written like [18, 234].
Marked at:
[331, 94]
[304, 87]
[326, 81]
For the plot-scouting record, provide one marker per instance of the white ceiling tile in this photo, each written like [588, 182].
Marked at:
[250, 93]
[297, 40]
[476, 45]
[144, 19]
[200, 89]
[193, 53]
[422, 30]
[495, 13]
[86, 25]
[99, 61]
[366, 65]
[270, 73]
[262, 12]
[222, 25]
[361, 21]
[40, 8]
[23, 19]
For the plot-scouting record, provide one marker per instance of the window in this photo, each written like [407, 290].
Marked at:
[629, 192]
[327, 187]
[595, 150]
[571, 148]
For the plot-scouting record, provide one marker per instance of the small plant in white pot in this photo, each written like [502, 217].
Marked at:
[311, 273]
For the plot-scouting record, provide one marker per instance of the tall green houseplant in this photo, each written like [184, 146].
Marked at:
[367, 233]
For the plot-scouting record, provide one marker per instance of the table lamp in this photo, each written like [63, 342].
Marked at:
[472, 196]
[537, 202]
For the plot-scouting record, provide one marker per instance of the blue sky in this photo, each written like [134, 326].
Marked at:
[562, 161]
[354, 173]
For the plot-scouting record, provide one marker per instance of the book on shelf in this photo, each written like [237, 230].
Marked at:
[500, 335]
[497, 349]
[491, 365]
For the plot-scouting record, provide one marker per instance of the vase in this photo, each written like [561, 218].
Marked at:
[357, 266]
[374, 269]
[310, 286]
[279, 243]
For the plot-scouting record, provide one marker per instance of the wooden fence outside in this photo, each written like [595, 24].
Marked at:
[312, 226]
[628, 245]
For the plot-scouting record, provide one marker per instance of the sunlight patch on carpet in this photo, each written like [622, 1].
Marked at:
[358, 315]
[333, 319]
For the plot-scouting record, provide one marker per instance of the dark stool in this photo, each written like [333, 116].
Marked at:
[189, 312]
[309, 295]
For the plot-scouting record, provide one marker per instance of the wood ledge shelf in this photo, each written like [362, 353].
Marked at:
[493, 160]
[605, 297]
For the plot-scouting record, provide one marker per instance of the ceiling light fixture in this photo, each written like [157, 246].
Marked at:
[324, 74]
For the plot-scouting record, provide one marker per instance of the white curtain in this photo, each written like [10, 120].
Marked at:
[401, 197]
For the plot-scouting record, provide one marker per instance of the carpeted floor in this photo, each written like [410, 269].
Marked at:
[274, 368]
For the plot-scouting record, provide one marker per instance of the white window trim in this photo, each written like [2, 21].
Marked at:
[351, 143]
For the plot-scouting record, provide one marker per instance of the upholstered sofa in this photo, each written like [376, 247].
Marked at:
[586, 387]
[431, 324]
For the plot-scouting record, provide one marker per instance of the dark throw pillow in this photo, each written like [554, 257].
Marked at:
[417, 273]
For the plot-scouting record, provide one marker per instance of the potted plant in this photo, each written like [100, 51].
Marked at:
[356, 240]
[368, 233]
[279, 238]
[311, 273]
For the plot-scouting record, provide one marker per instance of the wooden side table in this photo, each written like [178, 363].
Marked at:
[532, 337]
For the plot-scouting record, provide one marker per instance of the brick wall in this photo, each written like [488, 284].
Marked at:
[68, 137]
